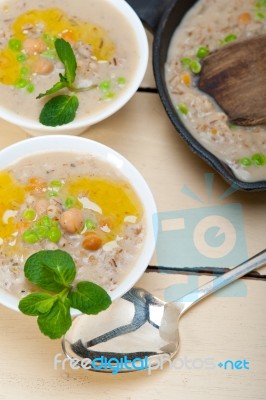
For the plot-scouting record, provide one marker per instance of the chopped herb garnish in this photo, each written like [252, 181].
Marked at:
[61, 110]
[186, 62]
[202, 52]
[90, 224]
[183, 108]
[105, 86]
[258, 160]
[30, 88]
[29, 214]
[245, 161]
[15, 44]
[121, 81]
[21, 57]
[21, 83]
[193, 65]
[229, 38]
[260, 15]
[261, 4]
[55, 271]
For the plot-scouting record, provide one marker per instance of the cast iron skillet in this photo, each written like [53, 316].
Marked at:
[162, 17]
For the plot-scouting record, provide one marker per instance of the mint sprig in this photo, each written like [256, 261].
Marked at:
[54, 271]
[61, 110]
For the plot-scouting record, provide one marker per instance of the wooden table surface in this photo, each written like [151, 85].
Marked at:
[228, 326]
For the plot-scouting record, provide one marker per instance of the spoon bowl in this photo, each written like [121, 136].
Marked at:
[139, 328]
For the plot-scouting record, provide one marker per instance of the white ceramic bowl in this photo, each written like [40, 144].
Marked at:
[35, 128]
[13, 153]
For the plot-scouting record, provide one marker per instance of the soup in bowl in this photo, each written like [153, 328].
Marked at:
[66, 66]
[85, 199]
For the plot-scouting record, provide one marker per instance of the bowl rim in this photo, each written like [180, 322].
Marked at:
[79, 145]
[122, 7]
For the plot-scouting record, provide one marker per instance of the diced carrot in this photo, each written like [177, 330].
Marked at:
[69, 36]
[23, 225]
[244, 18]
[186, 79]
[35, 185]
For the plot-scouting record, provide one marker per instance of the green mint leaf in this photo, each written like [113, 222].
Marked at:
[57, 321]
[59, 110]
[36, 303]
[89, 298]
[51, 270]
[57, 86]
[67, 57]
[63, 79]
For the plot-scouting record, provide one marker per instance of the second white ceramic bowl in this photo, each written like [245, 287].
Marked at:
[25, 148]
[35, 128]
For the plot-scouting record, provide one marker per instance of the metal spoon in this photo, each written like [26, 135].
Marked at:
[138, 328]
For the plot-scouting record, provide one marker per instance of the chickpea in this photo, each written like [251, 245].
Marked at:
[92, 241]
[42, 66]
[34, 46]
[72, 220]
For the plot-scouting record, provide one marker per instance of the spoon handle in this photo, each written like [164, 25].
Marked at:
[203, 291]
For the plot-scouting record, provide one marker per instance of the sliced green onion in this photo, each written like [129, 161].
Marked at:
[21, 83]
[260, 15]
[186, 62]
[261, 4]
[54, 234]
[121, 81]
[45, 221]
[15, 44]
[42, 232]
[108, 96]
[258, 159]
[29, 214]
[229, 38]
[21, 57]
[90, 224]
[105, 86]
[30, 236]
[30, 88]
[56, 184]
[245, 161]
[202, 52]
[52, 193]
[195, 67]
[183, 108]
[24, 71]
[69, 202]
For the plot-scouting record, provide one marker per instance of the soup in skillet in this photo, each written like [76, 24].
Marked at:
[208, 25]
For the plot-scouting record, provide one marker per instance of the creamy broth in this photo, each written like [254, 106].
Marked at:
[210, 24]
[38, 195]
[113, 59]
